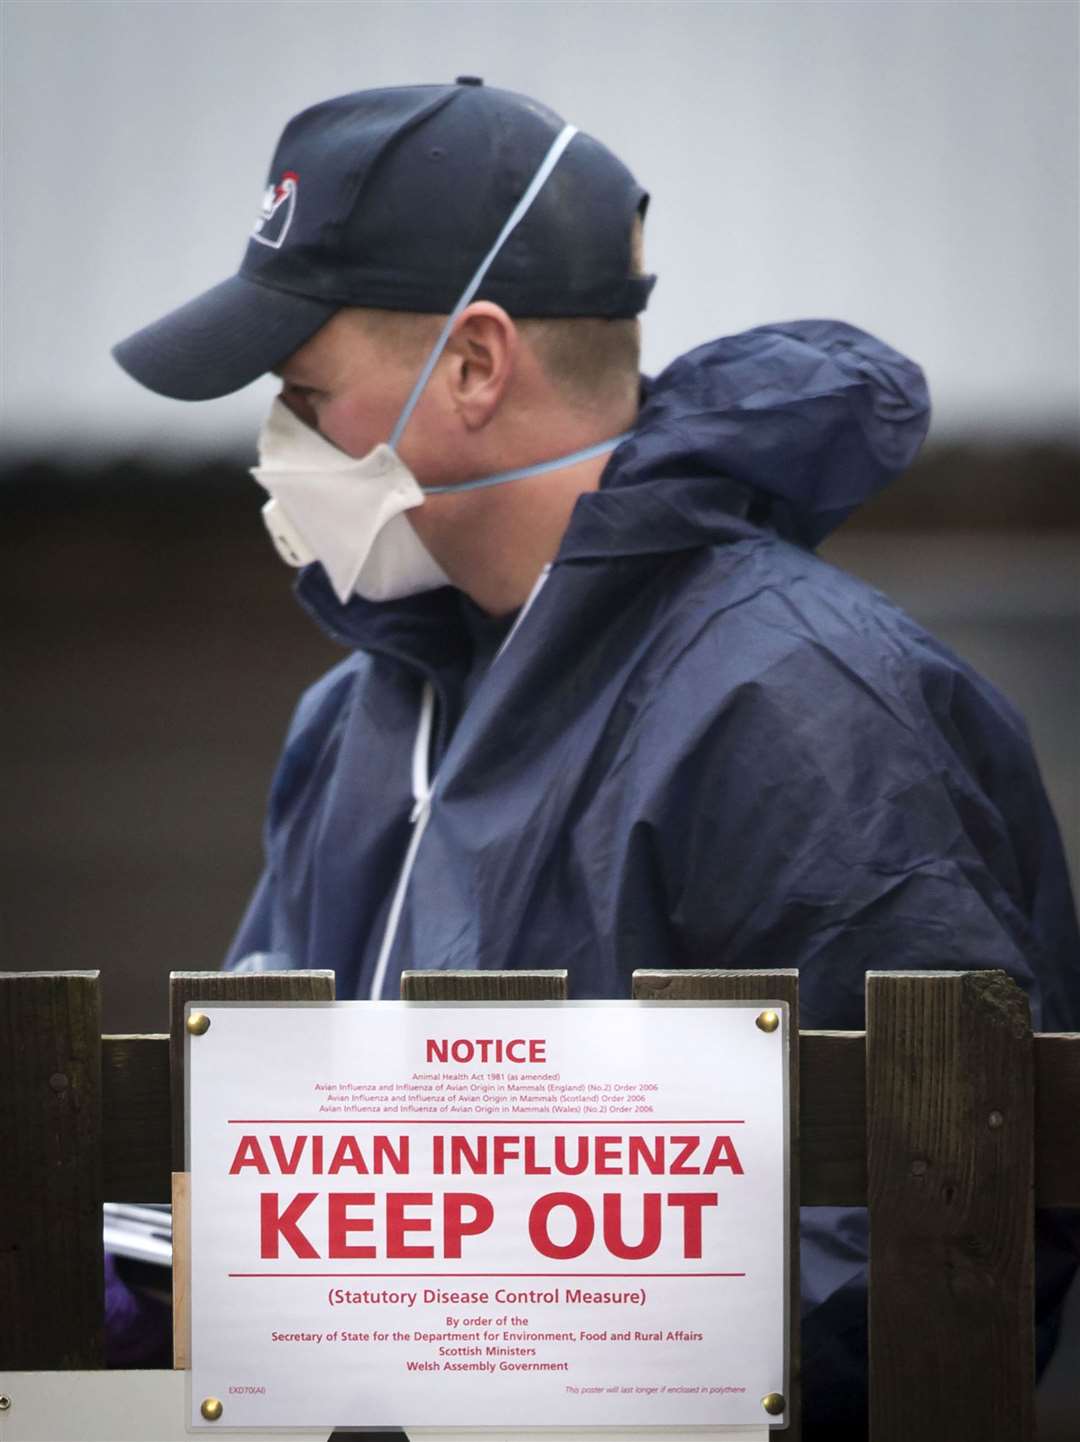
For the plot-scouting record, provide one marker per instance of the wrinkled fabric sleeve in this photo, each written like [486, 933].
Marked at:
[828, 816]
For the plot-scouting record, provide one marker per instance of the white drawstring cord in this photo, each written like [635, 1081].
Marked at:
[421, 811]
[421, 754]
[423, 789]
[540, 583]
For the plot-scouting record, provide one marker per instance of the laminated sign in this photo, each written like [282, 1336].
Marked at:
[548, 1214]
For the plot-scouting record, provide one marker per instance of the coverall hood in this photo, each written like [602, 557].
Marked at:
[809, 419]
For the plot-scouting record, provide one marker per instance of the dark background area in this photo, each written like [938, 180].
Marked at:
[156, 652]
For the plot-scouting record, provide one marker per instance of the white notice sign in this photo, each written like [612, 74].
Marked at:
[419, 1215]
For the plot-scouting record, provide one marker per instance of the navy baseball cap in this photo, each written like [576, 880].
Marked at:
[390, 199]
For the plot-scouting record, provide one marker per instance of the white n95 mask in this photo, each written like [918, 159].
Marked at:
[347, 513]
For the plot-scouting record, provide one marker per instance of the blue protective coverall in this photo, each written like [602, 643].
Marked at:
[700, 746]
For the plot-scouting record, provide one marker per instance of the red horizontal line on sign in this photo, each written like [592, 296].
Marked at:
[487, 1121]
[487, 1274]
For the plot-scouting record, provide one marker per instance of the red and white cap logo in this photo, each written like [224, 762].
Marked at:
[275, 217]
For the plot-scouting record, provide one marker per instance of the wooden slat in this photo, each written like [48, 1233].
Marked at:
[949, 1091]
[135, 1118]
[52, 1264]
[211, 986]
[832, 1082]
[755, 986]
[483, 986]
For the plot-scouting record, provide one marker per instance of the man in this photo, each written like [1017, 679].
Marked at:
[603, 708]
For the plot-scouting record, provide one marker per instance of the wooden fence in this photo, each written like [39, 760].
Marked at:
[947, 1118]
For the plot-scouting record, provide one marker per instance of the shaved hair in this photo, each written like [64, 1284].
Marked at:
[592, 361]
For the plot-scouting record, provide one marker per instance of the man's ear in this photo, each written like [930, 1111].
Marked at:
[480, 357]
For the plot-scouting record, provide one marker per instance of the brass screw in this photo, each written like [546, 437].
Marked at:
[211, 1409]
[5, 1403]
[773, 1402]
[768, 1021]
[198, 1024]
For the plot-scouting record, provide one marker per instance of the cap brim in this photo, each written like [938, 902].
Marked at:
[222, 340]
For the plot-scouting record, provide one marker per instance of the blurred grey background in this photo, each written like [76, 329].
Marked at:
[910, 167]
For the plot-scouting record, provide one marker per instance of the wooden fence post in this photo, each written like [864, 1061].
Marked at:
[52, 1260]
[210, 986]
[185, 986]
[708, 985]
[949, 1094]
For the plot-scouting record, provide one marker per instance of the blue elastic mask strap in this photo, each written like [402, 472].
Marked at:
[536, 185]
[557, 464]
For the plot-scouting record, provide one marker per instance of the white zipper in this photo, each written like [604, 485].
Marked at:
[538, 586]
[423, 789]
